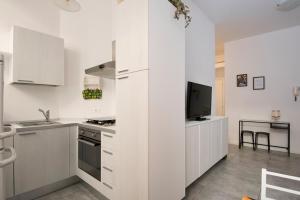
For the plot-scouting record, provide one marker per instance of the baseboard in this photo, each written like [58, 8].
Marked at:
[46, 189]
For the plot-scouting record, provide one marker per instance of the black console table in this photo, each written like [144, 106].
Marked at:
[273, 125]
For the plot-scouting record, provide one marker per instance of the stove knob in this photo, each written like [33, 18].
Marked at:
[93, 135]
[82, 132]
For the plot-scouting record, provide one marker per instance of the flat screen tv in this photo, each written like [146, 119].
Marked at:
[198, 101]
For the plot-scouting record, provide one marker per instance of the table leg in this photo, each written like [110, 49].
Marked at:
[289, 139]
[239, 134]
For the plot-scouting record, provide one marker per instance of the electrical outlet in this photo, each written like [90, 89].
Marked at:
[97, 110]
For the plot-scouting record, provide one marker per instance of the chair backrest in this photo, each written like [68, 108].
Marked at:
[264, 184]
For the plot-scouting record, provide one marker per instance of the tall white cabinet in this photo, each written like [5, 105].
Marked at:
[206, 144]
[132, 122]
[150, 89]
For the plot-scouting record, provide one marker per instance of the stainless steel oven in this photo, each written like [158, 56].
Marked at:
[89, 152]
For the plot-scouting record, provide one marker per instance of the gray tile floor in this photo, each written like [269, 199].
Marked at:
[230, 179]
[80, 191]
[240, 174]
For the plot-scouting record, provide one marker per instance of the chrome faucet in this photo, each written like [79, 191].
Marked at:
[46, 114]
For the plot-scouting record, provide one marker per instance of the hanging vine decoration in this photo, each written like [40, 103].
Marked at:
[182, 9]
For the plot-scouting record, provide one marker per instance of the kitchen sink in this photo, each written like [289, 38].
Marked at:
[37, 123]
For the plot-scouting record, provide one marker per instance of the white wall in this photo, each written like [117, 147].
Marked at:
[200, 50]
[88, 42]
[274, 55]
[22, 101]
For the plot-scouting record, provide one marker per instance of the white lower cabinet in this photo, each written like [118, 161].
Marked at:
[224, 140]
[204, 147]
[206, 144]
[193, 166]
[73, 150]
[8, 173]
[43, 158]
[108, 163]
[215, 141]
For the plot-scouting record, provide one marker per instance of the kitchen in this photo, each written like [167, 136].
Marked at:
[118, 97]
[70, 75]
[53, 154]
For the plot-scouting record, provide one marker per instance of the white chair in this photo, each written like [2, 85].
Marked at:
[5, 132]
[265, 186]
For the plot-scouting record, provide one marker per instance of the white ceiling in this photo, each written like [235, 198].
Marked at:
[236, 19]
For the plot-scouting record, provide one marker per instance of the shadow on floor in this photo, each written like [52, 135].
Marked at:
[80, 191]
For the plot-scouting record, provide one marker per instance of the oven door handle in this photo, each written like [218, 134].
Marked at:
[87, 142]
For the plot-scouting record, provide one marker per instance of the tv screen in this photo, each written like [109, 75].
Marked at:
[198, 101]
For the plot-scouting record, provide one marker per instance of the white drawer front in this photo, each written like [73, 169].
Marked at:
[107, 158]
[107, 191]
[107, 177]
[107, 140]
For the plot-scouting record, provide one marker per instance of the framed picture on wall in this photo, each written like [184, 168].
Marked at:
[259, 83]
[242, 80]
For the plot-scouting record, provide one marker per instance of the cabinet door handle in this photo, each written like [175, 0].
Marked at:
[108, 152]
[25, 81]
[108, 169]
[109, 136]
[124, 77]
[110, 187]
[29, 133]
[122, 71]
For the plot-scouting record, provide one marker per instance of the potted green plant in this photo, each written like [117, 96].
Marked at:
[92, 94]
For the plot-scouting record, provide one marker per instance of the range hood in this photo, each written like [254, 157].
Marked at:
[105, 70]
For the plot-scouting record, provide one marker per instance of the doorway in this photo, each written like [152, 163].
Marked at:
[220, 86]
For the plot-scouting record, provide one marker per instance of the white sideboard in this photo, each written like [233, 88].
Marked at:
[206, 144]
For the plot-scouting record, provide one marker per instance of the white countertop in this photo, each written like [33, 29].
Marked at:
[209, 119]
[64, 123]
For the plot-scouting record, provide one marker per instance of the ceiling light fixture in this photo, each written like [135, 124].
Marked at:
[287, 5]
[68, 5]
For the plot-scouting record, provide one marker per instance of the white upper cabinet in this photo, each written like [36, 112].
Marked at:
[37, 58]
[51, 61]
[131, 36]
[25, 49]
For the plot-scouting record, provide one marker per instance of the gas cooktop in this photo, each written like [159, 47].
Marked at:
[104, 121]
